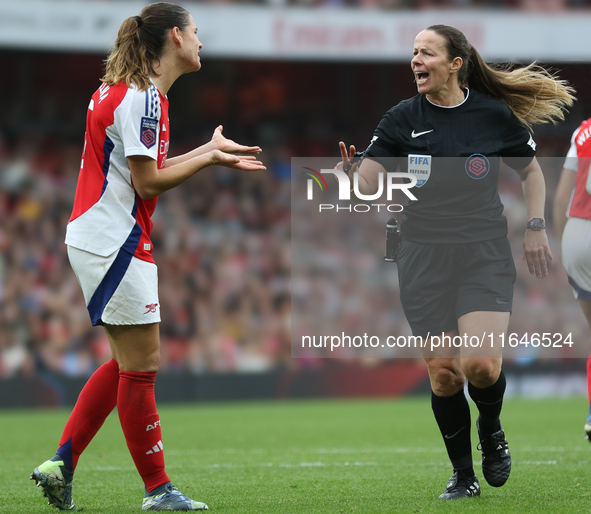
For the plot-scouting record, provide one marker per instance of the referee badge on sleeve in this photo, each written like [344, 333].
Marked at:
[420, 167]
[148, 132]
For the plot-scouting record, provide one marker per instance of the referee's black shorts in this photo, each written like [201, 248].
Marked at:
[441, 282]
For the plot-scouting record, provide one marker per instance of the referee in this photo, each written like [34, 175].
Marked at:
[455, 266]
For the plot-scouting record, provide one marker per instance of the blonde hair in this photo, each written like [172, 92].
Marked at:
[534, 94]
[140, 43]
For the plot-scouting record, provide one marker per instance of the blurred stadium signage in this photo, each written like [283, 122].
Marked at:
[239, 31]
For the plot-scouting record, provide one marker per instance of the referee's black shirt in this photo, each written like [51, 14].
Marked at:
[459, 202]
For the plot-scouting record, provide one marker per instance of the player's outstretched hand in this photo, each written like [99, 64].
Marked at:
[227, 145]
[239, 162]
[536, 252]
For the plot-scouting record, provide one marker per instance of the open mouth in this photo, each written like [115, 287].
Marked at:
[421, 77]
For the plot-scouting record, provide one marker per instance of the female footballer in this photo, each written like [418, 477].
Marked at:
[572, 226]
[455, 268]
[124, 169]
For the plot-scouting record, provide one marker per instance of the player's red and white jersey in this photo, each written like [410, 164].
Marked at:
[108, 213]
[578, 159]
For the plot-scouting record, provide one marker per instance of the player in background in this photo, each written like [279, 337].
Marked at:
[455, 266]
[572, 223]
[124, 169]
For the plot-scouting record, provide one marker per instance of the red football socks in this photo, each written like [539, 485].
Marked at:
[141, 425]
[96, 401]
[133, 393]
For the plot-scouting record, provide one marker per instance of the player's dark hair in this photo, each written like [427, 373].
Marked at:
[140, 43]
[533, 93]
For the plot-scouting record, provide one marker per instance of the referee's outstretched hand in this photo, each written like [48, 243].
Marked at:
[345, 164]
[536, 252]
[227, 145]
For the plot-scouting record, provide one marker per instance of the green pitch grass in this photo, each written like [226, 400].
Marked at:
[310, 457]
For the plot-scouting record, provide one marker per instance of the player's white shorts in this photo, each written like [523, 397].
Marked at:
[576, 256]
[119, 289]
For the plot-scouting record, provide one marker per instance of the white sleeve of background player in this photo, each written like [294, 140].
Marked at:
[571, 162]
[137, 120]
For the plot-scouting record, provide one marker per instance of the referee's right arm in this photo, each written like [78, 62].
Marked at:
[369, 173]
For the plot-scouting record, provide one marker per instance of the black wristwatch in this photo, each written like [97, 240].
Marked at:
[536, 224]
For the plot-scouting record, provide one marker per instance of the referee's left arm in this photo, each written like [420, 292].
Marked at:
[535, 243]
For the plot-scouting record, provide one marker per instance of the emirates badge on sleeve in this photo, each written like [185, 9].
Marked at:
[148, 132]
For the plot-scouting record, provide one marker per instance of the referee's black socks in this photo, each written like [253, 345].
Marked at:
[489, 402]
[452, 414]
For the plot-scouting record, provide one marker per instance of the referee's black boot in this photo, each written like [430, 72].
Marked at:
[496, 459]
[461, 485]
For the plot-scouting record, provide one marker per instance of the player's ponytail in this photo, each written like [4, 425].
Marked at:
[140, 43]
[533, 93]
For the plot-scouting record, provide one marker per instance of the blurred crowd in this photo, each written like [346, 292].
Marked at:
[221, 242]
[222, 247]
[230, 260]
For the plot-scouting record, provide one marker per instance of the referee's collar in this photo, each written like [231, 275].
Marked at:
[451, 106]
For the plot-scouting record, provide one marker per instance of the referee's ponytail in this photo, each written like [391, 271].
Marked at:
[533, 93]
[140, 43]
